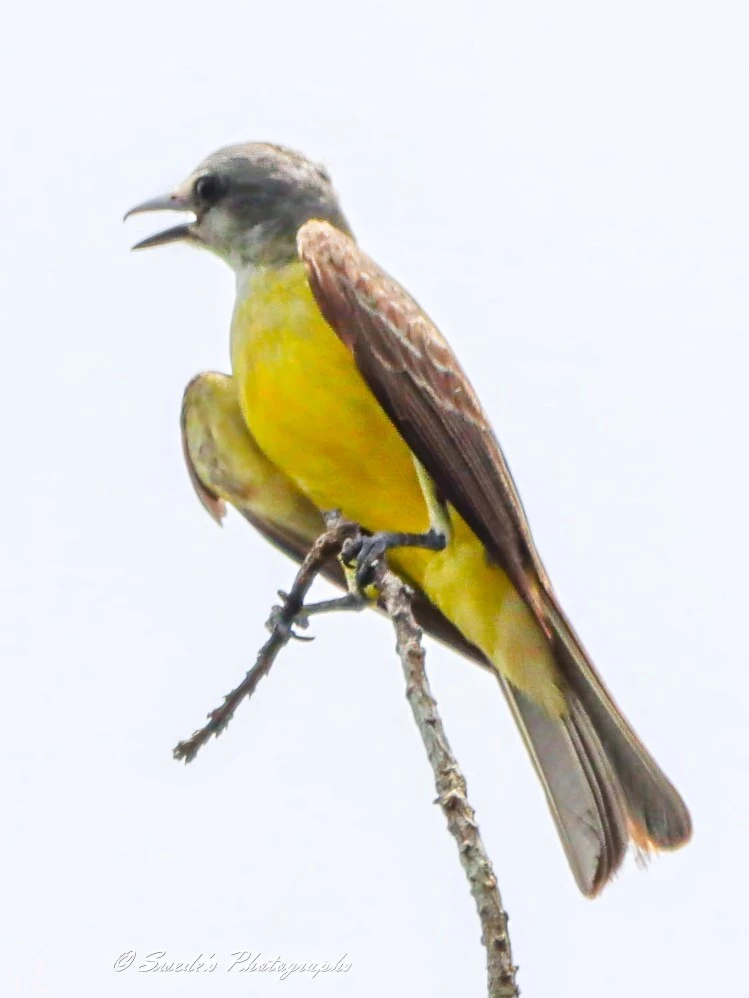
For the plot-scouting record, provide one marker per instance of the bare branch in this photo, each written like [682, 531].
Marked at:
[451, 787]
[395, 600]
[281, 625]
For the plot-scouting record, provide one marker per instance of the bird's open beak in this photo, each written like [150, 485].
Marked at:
[178, 233]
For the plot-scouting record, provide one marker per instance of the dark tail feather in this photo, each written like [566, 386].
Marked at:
[657, 816]
[580, 785]
[603, 786]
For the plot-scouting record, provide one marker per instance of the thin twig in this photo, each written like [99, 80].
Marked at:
[395, 600]
[281, 625]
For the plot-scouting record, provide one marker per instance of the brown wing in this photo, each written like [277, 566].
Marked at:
[287, 537]
[416, 379]
[213, 504]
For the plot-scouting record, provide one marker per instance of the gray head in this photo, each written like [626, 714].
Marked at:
[249, 202]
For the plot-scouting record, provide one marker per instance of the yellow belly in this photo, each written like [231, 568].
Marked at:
[314, 417]
[311, 412]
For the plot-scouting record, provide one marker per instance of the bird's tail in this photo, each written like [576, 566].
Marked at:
[603, 786]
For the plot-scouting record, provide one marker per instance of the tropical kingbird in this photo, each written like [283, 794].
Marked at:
[345, 396]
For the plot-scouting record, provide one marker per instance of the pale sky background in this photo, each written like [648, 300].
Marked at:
[564, 188]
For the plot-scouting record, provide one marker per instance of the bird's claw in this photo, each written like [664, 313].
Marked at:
[284, 621]
[362, 554]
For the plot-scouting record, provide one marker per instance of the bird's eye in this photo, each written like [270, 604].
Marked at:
[209, 188]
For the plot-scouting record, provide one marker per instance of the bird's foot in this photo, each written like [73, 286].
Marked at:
[288, 615]
[362, 553]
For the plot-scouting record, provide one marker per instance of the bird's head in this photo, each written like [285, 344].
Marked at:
[249, 202]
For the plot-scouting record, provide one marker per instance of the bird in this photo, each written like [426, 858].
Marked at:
[345, 396]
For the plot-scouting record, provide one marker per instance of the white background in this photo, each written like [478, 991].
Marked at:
[564, 187]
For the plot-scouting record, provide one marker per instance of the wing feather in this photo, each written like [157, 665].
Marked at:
[419, 383]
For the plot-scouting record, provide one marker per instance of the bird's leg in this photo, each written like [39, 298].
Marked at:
[300, 617]
[361, 553]
[351, 601]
